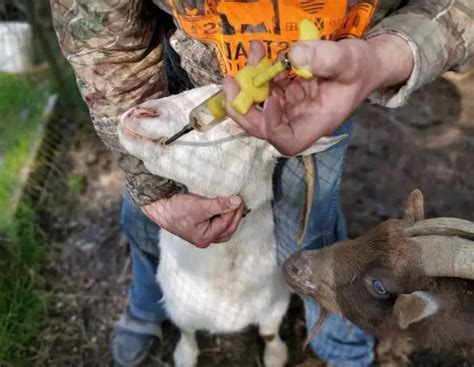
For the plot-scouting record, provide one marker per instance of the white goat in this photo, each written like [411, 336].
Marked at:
[225, 287]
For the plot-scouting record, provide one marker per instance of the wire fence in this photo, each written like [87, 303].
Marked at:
[28, 41]
[30, 53]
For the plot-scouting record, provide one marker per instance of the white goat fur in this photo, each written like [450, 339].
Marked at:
[225, 287]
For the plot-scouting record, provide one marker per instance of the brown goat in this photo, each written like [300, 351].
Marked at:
[411, 279]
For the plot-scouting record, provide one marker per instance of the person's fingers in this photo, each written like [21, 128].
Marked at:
[279, 84]
[206, 232]
[249, 122]
[279, 93]
[232, 227]
[294, 93]
[154, 212]
[215, 227]
[272, 112]
[197, 219]
[200, 242]
[327, 59]
[277, 129]
[224, 239]
[282, 79]
[230, 87]
[220, 205]
[310, 87]
[256, 53]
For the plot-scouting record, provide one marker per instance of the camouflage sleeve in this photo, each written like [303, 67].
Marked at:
[114, 48]
[441, 36]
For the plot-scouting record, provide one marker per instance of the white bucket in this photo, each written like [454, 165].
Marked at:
[16, 47]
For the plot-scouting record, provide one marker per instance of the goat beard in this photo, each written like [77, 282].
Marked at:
[323, 315]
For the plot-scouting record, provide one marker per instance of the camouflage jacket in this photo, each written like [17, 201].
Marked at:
[115, 48]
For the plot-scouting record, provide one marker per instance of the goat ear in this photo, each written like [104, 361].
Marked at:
[414, 206]
[321, 145]
[414, 307]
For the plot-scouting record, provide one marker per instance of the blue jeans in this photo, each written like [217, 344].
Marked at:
[145, 294]
[338, 342]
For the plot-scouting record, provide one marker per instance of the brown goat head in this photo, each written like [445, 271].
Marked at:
[412, 277]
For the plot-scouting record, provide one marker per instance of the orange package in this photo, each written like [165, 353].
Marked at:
[230, 25]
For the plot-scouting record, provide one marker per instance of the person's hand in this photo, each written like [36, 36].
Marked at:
[299, 112]
[198, 220]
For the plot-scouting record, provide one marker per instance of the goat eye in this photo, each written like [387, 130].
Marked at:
[379, 288]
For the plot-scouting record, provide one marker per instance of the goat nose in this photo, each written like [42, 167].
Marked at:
[292, 269]
[294, 266]
[145, 112]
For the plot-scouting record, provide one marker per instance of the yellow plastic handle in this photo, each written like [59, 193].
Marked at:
[216, 106]
[254, 80]
[308, 32]
[250, 92]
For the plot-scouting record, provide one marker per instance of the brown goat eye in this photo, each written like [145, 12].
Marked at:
[379, 288]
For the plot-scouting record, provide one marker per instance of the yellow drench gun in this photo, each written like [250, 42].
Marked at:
[254, 82]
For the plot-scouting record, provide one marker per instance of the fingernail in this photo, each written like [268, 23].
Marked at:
[227, 85]
[235, 201]
[254, 46]
[299, 55]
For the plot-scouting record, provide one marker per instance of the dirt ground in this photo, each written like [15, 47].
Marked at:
[428, 144]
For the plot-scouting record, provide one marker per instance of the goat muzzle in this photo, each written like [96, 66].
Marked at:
[297, 272]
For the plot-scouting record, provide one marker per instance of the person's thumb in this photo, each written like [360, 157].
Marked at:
[231, 89]
[323, 58]
[221, 205]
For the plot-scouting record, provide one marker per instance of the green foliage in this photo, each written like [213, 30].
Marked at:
[21, 107]
[72, 102]
[76, 183]
[21, 306]
[22, 247]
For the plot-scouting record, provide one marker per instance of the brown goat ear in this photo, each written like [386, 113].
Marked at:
[414, 307]
[414, 206]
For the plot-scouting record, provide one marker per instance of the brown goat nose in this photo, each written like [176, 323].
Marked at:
[292, 270]
[293, 267]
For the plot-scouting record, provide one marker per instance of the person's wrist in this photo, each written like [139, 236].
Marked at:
[157, 210]
[393, 60]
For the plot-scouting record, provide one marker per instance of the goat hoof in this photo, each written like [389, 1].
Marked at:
[186, 352]
[276, 353]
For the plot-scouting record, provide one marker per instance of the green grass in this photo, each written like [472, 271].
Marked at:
[21, 106]
[21, 246]
[76, 183]
[21, 307]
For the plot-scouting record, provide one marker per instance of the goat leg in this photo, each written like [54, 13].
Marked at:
[187, 350]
